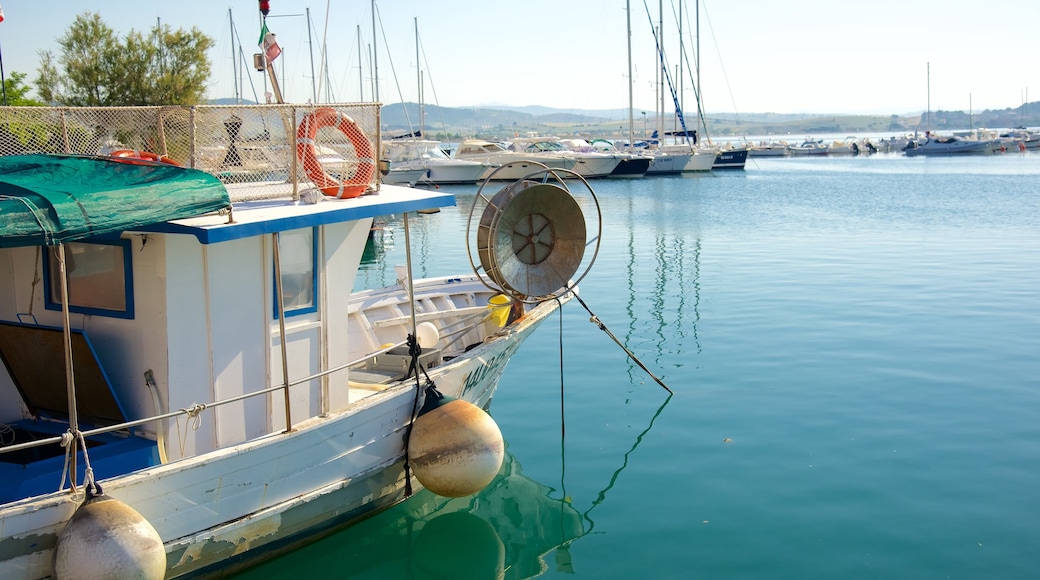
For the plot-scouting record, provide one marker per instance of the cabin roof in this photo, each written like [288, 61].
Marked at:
[255, 218]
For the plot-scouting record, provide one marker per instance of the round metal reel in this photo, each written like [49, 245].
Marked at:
[532, 237]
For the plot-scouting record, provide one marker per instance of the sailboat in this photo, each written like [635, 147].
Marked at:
[413, 152]
[727, 156]
[681, 155]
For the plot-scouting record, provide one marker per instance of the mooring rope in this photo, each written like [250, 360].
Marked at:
[430, 388]
[595, 320]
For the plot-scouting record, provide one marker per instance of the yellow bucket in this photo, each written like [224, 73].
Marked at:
[500, 305]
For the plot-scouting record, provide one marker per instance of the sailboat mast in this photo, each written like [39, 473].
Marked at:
[234, 58]
[375, 58]
[628, 24]
[419, 76]
[928, 117]
[697, 58]
[310, 49]
[360, 69]
[661, 69]
[681, 71]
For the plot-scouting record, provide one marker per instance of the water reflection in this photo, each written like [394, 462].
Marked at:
[512, 529]
[663, 302]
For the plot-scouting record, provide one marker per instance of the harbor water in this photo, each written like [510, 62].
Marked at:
[854, 349]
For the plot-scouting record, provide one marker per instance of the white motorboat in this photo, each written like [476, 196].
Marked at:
[435, 166]
[953, 145]
[503, 164]
[195, 366]
[630, 164]
[769, 149]
[587, 163]
[809, 147]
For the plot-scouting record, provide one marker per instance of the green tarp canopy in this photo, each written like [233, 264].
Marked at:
[54, 199]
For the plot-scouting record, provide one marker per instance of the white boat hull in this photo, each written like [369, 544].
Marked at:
[229, 508]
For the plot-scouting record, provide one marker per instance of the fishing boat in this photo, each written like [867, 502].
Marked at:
[186, 369]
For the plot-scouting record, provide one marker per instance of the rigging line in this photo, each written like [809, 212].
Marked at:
[696, 90]
[397, 83]
[433, 86]
[715, 41]
[595, 320]
[667, 75]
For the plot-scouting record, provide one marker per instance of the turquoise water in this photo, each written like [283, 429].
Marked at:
[854, 346]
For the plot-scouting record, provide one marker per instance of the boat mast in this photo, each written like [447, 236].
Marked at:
[628, 24]
[661, 69]
[234, 57]
[928, 116]
[375, 59]
[360, 69]
[310, 49]
[419, 75]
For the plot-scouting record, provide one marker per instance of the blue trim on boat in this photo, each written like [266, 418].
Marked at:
[293, 217]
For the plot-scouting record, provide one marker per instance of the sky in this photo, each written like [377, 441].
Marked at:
[757, 56]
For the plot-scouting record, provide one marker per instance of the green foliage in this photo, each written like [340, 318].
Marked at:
[95, 68]
[15, 91]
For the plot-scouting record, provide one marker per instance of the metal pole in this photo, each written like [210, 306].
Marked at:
[310, 46]
[70, 378]
[3, 79]
[281, 329]
[375, 58]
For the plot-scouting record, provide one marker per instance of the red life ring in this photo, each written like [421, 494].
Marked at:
[131, 156]
[308, 154]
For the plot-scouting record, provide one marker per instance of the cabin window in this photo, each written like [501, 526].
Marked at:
[298, 255]
[100, 278]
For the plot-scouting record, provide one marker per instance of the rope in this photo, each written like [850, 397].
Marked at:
[6, 431]
[595, 320]
[194, 414]
[68, 441]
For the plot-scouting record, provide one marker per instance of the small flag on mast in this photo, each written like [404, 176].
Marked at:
[269, 44]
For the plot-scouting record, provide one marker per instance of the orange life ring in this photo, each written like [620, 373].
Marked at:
[130, 155]
[308, 154]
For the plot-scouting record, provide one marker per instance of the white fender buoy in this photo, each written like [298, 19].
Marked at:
[105, 538]
[427, 335]
[455, 448]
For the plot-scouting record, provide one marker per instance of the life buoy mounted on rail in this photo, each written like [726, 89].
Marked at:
[306, 151]
[133, 157]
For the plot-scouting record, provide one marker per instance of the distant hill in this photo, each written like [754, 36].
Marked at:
[503, 121]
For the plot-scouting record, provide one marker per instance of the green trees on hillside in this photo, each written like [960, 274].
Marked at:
[96, 68]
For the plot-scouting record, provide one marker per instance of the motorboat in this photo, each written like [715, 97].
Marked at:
[587, 163]
[435, 166]
[630, 163]
[185, 366]
[769, 149]
[507, 165]
[951, 145]
[809, 147]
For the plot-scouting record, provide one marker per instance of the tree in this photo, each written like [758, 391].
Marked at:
[16, 90]
[95, 68]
